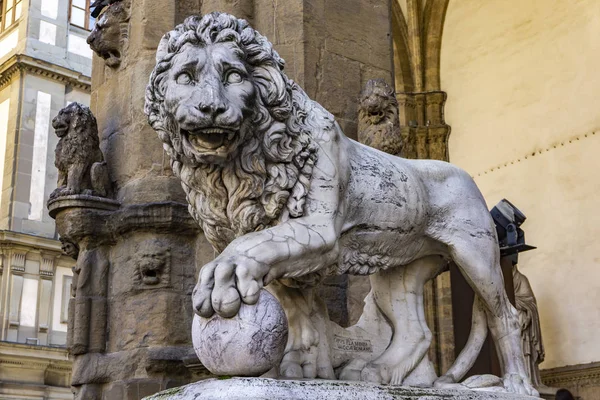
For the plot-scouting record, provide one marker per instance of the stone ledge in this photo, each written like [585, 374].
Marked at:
[564, 376]
[272, 389]
[81, 201]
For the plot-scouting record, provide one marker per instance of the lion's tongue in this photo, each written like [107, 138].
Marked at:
[207, 140]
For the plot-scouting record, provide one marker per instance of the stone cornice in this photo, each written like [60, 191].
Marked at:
[566, 376]
[19, 354]
[34, 66]
[22, 241]
[78, 219]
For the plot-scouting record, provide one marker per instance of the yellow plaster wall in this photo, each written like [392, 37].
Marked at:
[523, 83]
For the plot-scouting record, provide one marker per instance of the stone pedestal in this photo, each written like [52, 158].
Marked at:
[262, 388]
[130, 314]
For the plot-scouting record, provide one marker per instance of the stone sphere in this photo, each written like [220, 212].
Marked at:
[248, 344]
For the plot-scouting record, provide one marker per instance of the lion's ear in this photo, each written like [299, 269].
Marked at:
[163, 48]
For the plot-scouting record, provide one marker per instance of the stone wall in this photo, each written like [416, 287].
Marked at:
[522, 91]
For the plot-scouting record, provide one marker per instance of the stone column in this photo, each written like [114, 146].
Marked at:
[331, 47]
[137, 253]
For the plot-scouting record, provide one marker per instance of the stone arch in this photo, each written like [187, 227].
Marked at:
[417, 40]
[403, 73]
[433, 23]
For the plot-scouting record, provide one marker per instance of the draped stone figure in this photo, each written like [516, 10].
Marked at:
[531, 332]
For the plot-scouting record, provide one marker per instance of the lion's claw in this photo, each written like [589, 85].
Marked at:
[225, 282]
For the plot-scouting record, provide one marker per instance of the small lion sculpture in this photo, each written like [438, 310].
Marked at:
[378, 123]
[287, 199]
[78, 158]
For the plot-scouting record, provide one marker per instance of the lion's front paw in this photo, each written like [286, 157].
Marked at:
[225, 282]
[60, 192]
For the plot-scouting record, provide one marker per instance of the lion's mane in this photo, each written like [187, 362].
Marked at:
[268, 177]
[81, 144]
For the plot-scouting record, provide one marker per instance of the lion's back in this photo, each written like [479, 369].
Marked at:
[452, 192]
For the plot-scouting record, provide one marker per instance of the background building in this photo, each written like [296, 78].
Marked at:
[45, 63]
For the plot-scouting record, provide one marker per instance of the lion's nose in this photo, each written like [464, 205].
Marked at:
[212, 108]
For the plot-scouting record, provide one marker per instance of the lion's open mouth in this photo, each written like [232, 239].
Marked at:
[209, 138]
[60, 129]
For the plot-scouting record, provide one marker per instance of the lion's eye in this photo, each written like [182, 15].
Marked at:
[184, 79]
[233, 77]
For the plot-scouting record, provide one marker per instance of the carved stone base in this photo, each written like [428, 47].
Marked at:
[81, 201]
[262, 388]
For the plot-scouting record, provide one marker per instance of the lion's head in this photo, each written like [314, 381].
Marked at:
[378, 124]
[110, 33]
[77, 129]
[236, 128]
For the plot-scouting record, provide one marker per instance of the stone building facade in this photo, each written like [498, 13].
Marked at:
[45, 64]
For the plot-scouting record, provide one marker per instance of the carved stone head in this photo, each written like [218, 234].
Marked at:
[226, 113]
[110, 34]
[377, 101]
[72, 118]
[69, 248]
[214, 77]
[152, 264]
[378, 123]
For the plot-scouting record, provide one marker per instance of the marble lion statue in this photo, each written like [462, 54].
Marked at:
[78, 158]
[287, 199]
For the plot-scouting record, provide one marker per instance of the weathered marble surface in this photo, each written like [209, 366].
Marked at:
[531, 331]
[287, 199]
[261, 388]
[248, 344]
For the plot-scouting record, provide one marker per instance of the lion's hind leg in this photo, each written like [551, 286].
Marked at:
[398, 293]
[307, 352]
[477, 256]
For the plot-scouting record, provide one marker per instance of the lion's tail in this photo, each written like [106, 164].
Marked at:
[477, 336]
[100, 179]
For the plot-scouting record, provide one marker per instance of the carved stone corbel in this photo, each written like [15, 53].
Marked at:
[110, 36]
[18, 262]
